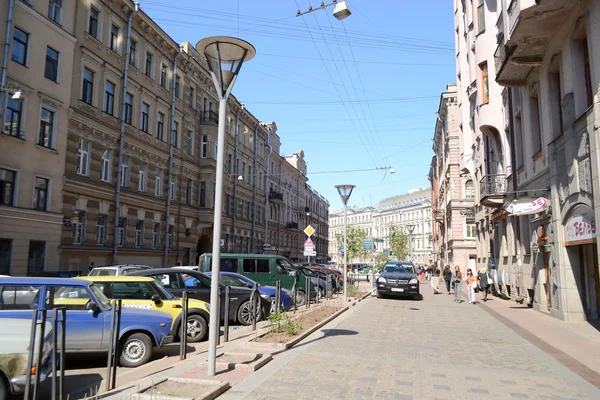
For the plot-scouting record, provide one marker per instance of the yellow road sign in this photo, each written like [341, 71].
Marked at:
[309, 230]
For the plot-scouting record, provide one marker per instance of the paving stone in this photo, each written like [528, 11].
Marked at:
[442, 387]
[519, 395]
[405, 383]
[480, 391]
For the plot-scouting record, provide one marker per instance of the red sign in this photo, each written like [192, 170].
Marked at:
[309, 243]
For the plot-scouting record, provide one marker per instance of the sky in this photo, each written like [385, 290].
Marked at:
[356, 94]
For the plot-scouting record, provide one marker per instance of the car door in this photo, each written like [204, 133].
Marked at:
[198, 287]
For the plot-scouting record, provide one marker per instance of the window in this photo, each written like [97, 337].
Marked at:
[105, 163]
[70, 297]
[101, 228]
[156, 235]
[582, 80]
[202, 194]
[215, 149]
[128, 108]
[190, 143]
[79, 227]
[518, 126]
[40, 194]
[249, 175]
[145, 114]
[192, 97]
[87, 86]
[555, 89]
[243, 169]
[93, 22]
[55, 10]
[139, 234]
[471, 231]
[157, 185]
[469, 190]
[7, 186]
[132, 49]
[125, 172]
[481, 16]
[170, 237]
[172, 191]
[149, 58]
[36, 258]
[141, 180]
[160, 123]
[174, 134]
[46, 128]
[177, 87]
[19, 46]
[536, 131]
[14, 112]
[5, 252]
[163, 76]
[51, 69]
[204, 146]
[189, 190]
[122, 232]
[83, 152]
[485, 87]
[109, 97]
[229, 163]
[114, 38]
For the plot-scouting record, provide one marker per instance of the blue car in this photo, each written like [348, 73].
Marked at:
[237, 280]
[88, 316]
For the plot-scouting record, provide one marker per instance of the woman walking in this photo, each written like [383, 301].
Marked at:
[471, 285]
[484, 282]
[447, 278]
[457, 280]
[435, 280]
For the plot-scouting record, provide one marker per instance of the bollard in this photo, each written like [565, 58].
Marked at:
[115, 327]
[295, 294]
[277, 297]
[31, 353]
[115, 360]
[183, 333]
[226, 316]
[40, 347]
[307, 292]
[253, 305]
[63, 340]
[55, 357]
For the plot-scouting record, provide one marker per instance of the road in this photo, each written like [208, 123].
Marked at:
[405, 349]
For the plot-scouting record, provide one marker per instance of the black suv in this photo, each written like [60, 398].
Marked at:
[398, 278]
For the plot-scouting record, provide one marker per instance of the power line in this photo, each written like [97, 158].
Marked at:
[359, 61]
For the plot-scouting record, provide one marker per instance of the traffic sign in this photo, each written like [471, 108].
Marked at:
[308, 243]
[367, 244]
[309, 230]
[310, 252]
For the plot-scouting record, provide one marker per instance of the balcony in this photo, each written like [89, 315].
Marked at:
[530, 28]
[209, 117]
[492, 190]
[472, 91]
[275, 196]
[291, 225]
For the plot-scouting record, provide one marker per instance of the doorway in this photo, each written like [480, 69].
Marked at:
[589, 281]
[547, 280]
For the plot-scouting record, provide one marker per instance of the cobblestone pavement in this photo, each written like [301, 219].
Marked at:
[404, 349]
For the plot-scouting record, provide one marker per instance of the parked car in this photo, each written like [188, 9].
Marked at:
[236, 280]
[176, 280]
[14, 355]
[337, 279]
[316, 279]
[88, 316]
[117, 270]
[398, 278]
[144, 292]
[265, 269]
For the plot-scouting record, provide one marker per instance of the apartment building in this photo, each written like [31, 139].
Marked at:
[412, 208]
[35, 97]
[452, 188]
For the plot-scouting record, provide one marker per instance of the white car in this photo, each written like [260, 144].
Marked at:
[191, 267]
[117, 270]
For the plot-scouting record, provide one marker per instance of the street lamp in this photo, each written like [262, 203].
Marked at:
[225, 56]
[345, 191]
[410, 229]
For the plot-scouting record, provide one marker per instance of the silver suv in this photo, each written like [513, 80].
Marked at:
[117, 270]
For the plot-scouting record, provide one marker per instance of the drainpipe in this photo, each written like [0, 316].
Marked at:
[170, 173]
[254, 187]
[122, 133]
[236, 172]
[267, 171]
[4, 72]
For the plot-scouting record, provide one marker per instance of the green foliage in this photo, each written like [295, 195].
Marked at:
[355, 237]
[353, 291]
[398, 241]
[281, 322]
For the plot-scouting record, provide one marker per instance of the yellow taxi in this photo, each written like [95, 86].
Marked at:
[144, 292]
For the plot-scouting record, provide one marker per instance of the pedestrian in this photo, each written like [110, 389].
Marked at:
[435, 281]
[471, 285]
[457, 279]
[421, 273]
[447, 278]
[91, 267]
[484, 282]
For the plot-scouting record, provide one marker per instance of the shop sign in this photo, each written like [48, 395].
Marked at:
[581, 225]
[527, 206]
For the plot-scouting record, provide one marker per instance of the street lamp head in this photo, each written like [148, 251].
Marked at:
[392, 171]
[225, 56]
[240, 178]
[345, 191]
[341, 10]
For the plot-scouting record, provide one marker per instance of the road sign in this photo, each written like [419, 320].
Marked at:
[308, 243]
[309, 230]
[367, 244]
[310, 252]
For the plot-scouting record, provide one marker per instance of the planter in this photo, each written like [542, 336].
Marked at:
[182, 389]
[249, 361]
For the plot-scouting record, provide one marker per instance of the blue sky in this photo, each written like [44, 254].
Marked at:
[356, 94]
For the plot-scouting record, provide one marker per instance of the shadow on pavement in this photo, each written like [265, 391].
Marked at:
[90, 384]
[327, 333]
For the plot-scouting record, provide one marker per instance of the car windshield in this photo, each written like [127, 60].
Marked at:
[101, 299]
[401, 268]
[103, 272]
[307, 272]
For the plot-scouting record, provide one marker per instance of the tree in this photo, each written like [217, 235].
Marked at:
[398, 241]
[355, 238]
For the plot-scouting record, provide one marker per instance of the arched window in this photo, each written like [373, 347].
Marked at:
[469, 190]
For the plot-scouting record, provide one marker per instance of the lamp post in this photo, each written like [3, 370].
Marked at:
[411, 229]
[345, 191]
[225, 56]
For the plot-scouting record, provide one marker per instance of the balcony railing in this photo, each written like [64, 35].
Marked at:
[291, 225]
[492, 185]
[275, 195]
[209, 117]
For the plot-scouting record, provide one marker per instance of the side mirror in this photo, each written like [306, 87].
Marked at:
[156, 299]
[92, 306]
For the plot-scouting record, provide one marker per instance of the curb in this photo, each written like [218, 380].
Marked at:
[219, 389]
[260, 360]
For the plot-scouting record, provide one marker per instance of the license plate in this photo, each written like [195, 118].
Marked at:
[397, 290]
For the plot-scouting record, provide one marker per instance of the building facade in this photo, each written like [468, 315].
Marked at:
[413, 208]
[452, 189]
[34, 105]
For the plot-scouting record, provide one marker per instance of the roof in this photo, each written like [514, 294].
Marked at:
[123, 278]
[42, 281]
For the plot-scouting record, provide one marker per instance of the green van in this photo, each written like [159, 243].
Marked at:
[265, 269]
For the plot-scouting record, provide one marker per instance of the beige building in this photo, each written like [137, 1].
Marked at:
[34, 107]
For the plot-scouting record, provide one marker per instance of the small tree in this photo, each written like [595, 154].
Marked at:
[355, 237]
[398, 241]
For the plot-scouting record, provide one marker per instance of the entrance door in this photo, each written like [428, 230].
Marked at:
[547, 281]
[589, 264]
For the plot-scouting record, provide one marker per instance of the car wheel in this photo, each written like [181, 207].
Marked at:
[300, 298]
[244, 314]
[197, 328]
[136, 350]
[3, 389]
